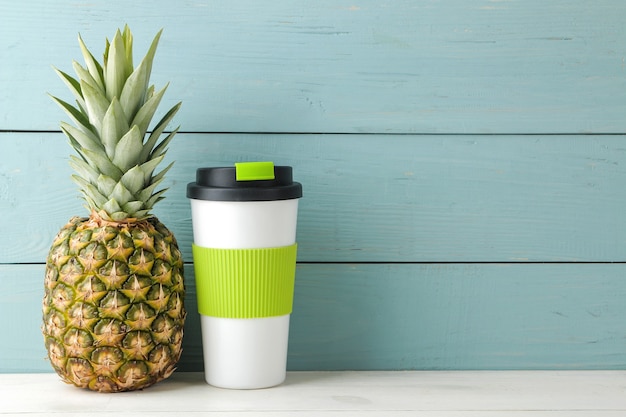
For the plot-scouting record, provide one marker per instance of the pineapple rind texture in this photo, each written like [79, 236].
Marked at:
[113, 312]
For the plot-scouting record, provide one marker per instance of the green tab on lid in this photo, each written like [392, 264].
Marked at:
[254, 171]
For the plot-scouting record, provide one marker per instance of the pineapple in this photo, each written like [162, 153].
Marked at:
[113, 311]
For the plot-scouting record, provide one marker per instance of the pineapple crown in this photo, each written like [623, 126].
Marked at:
[117, 156]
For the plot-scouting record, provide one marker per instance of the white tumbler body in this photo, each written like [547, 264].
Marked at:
[244, 224]
[244, 353]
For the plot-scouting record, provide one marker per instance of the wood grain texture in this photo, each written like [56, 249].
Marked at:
[446, 149]
[457, 66]
[338, 394]
[407, 198]
[365, 317]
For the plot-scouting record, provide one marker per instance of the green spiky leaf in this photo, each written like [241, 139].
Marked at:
[114, 126]
[106, 185]
[128, 149]
[146, 112]
[158, 177]
[162, 147]
[142, 214]
[157, 131]
[121, 194]
[83, 169]
[73, 85]
[127, 37]
[83, 140]
[103, 164]
[133, 207]
[115, 67]
[134, 93]
[155, 198]
[94, 197]
[133, 180]
[76, 115]
[115, 103]
[146, 193]
[94, 67]
[85, 77]
[112, 207]
[148, 168]
[96, 105]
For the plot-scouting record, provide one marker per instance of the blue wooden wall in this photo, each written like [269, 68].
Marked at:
[463, 162]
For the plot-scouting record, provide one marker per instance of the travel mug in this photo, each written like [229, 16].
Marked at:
[244, 230]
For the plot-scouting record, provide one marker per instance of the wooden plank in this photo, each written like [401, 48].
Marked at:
[401, 316]
[459, 66]
[405, 198]
[435, 394]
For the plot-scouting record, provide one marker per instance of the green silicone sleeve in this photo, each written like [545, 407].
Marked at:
[245, 283]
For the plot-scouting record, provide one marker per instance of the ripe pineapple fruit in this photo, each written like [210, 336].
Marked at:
[113, 311]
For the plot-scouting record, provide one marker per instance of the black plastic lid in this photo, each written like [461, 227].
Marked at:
[223, 184]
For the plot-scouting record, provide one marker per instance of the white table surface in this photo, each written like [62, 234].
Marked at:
[410, 393]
